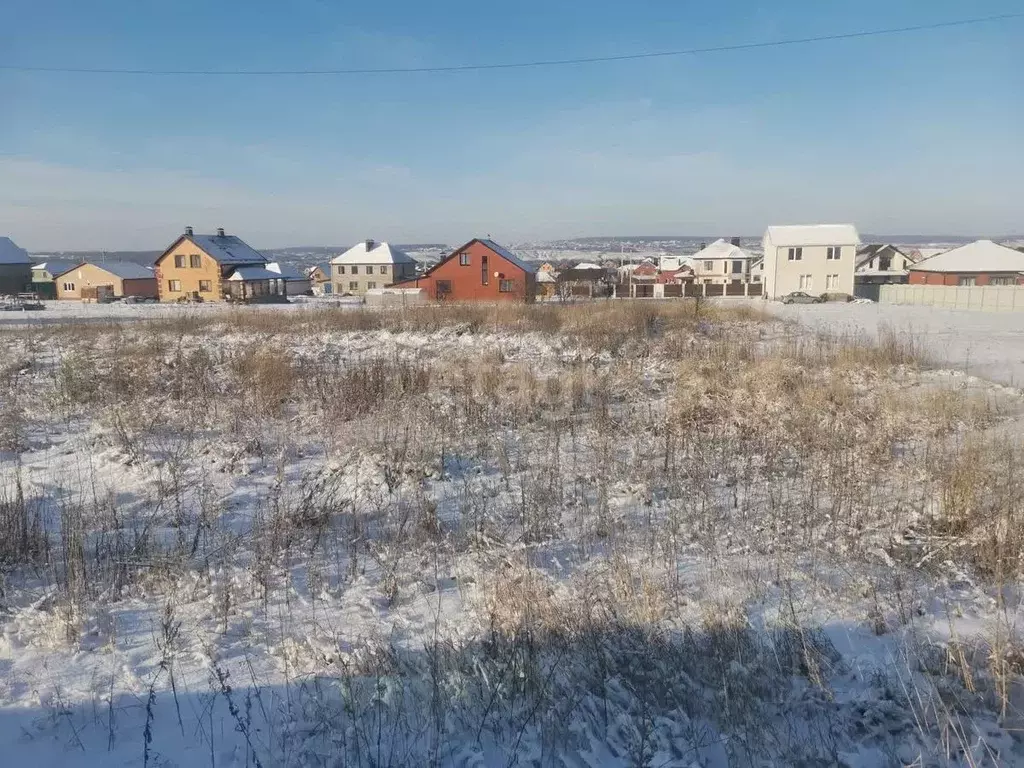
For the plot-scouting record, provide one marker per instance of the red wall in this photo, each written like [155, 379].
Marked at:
[467, 281]
[145, 287]
[950, 278]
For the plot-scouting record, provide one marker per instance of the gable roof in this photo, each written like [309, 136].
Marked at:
[224, 249]
[286, 271]
[55, 266]
[252, 273]
[813, 234]
[10, 253]
[979, 256]
[377, 253]
[721, 249]
[126, 270]
[868, 252]
[504, 252]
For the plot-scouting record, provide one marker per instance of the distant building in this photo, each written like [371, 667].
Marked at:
[814, 259]
[15, 268]
[723, 262]
[215, 268]
[106, 280]
[370, 265]
[295, 283]
[43, 283]
[481, 270]
[882, 264]
[979, 263]
[320, 279]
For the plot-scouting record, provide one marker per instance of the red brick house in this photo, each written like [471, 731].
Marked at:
[481, 270]
[979, 263]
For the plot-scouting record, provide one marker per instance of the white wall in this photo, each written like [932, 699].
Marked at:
[782, 276]
[982, 298]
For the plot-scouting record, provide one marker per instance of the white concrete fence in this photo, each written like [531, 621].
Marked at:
[981, 298]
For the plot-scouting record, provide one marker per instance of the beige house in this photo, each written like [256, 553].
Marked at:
[723, 262]
[370, 265]
[815, 259]
[102, 281]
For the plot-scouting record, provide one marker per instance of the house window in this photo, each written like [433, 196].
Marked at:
[341, 269]
[708, 266]
[506, 286]
[796, 254]
[833, 252]
[174, 286]
[831, 282]
[463, 259]
[353, 285]
[483, 269]
[1004, 280]
[355, 269]
[737, 267]
[195, 261]
[967, 281]
[205, 286]
[179, 261]
[444, 287]
[384, 269]
[371, 285]
[69, 286]
[755, 279]
[884, 263]
[806, 282]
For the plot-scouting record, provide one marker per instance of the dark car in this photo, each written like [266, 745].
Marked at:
[799, 297]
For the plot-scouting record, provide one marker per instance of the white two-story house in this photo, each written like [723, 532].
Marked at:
[815, 259]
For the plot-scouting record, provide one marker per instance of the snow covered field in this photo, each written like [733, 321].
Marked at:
[615, 534]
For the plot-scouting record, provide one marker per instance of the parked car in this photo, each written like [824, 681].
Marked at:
[799, 297]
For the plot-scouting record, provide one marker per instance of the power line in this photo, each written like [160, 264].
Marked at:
[517, 64]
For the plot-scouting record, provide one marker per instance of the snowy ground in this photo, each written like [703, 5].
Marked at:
[610, 535]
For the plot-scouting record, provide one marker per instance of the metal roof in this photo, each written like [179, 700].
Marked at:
[248, 274]
[813, 234]
[227, 249]
[56, 266]
[11, 253]
[505, 253]
[377, 253]
[979, 256]
[126, 270]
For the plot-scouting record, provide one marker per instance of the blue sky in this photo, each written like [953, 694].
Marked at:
[917, 133]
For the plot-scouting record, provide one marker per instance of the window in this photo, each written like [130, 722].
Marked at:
[884, 263]
[179, 261]
[355, 269]
[463, 259]
[69, 286]
[195, 261]
[371, 285]
[755, 279]
[483, 269]
[833, 252]
[444, 287]
[506, 286]
[737, 267]
[1005, 280]
[708, 266]
[384, 269]
[341, 269]
[205, 286]
[806, 282]
[353, 285]
[967, 281]
[831, 282]
[796, 254]
[174, 286]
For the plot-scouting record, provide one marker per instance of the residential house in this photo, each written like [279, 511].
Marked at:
[547, 283]
[295, 283]
[586, 279]
[106, 280]
[198, 267]
[723, 262]
[320, 279]
[481, 270]
[880, 264]
[979, 263]
[15, 268]
[814, 259]
[43, 283]
[547, 266]
[370, 265]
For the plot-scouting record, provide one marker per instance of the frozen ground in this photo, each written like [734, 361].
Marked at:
[603, 536]
[985, 344]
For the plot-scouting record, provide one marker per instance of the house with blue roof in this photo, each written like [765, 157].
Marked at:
[217, 267]
[105, 281]
[15, 268]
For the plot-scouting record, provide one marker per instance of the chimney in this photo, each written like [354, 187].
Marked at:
[736, 241]
[220, 231]
[188, 231]
[369, 245]
[703, 246]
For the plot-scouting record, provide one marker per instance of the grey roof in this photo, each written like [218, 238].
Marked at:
[253, 273]
[228, 249]
[507, 254]
[56, 266]
[286, 271]
[11, 253]
[126, 270]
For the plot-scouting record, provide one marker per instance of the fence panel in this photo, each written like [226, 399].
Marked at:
[978, 298]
